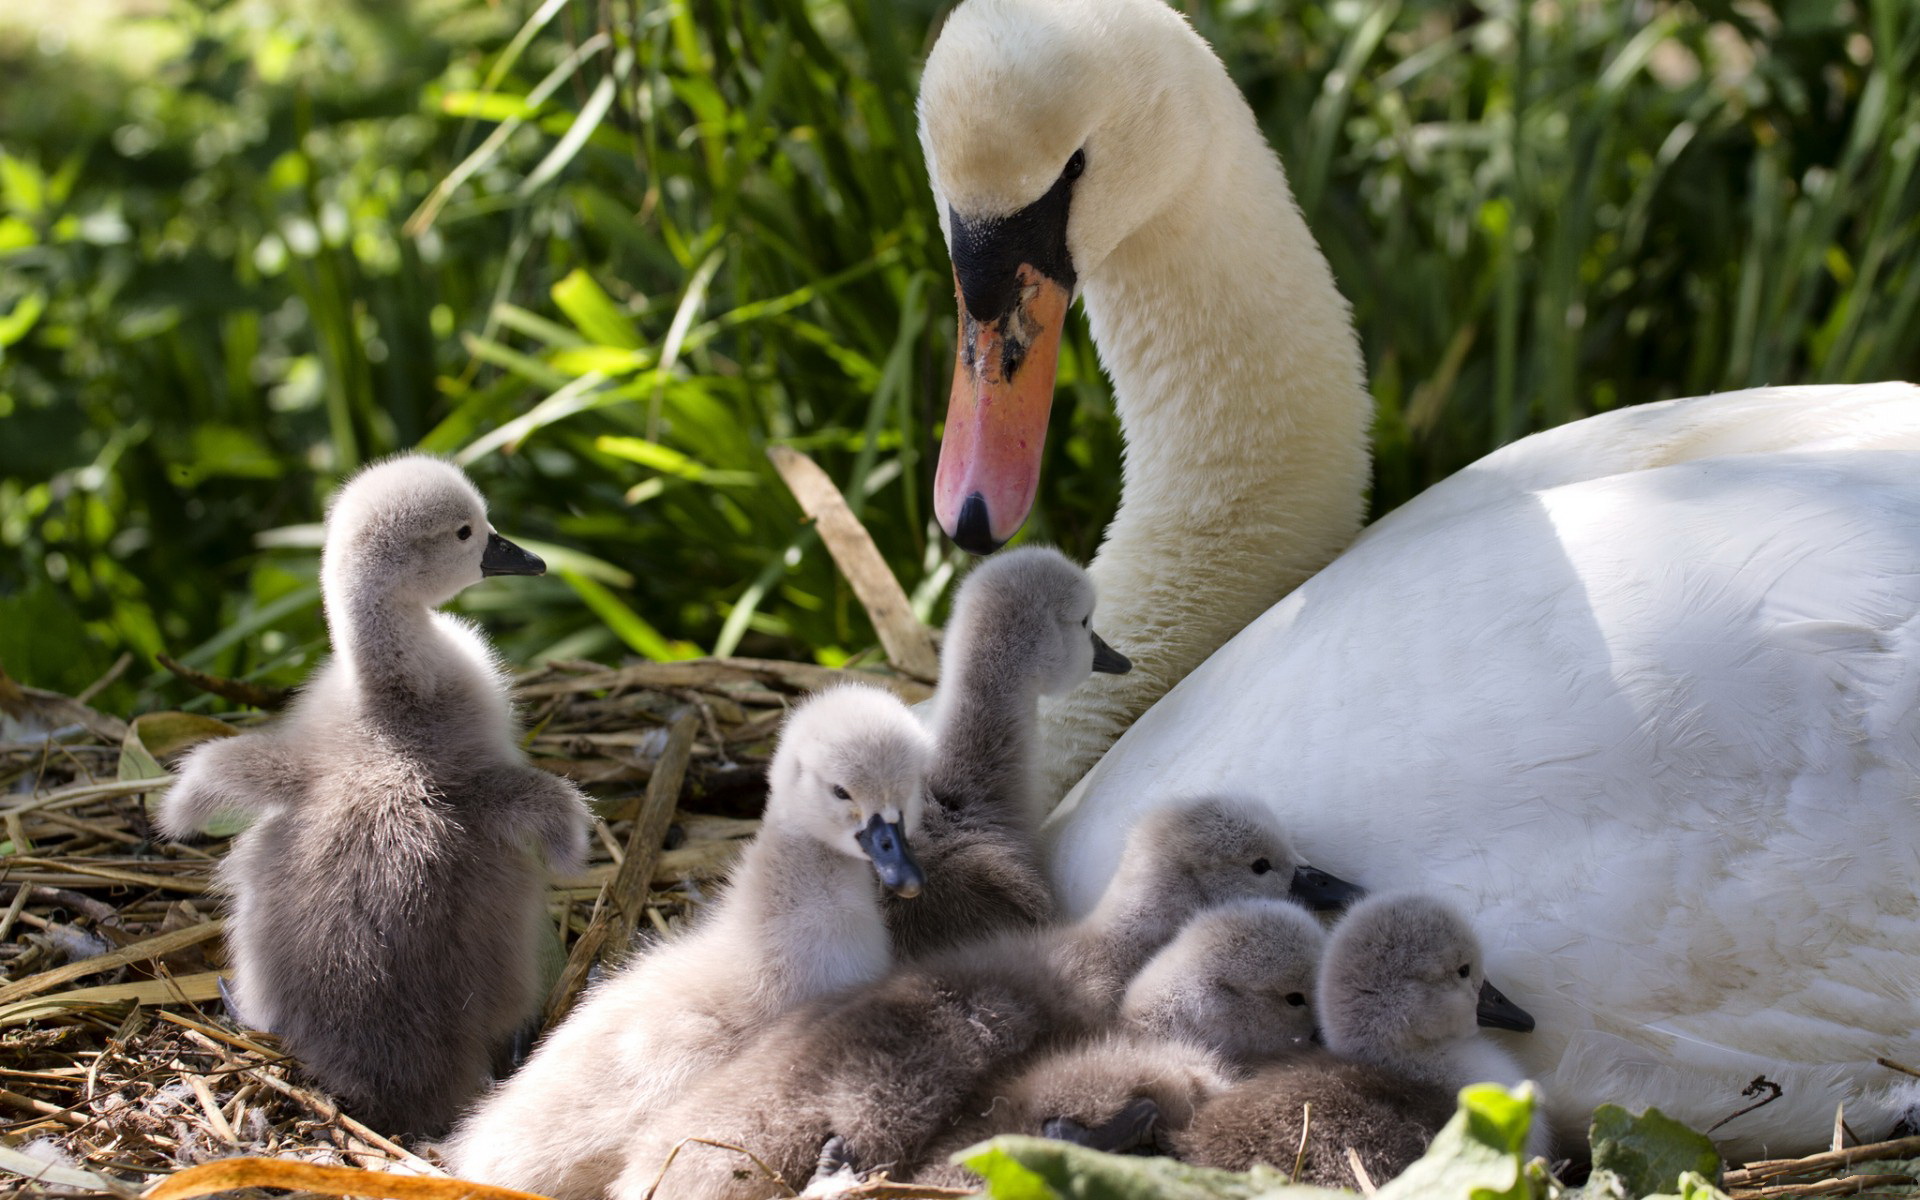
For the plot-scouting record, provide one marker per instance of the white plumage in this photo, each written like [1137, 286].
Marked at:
[1661, 729]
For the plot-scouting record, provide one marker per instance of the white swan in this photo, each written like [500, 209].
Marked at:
[1643, 691]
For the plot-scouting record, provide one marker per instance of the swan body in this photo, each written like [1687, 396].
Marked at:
[387, 901]
[801, 918]
[1673, 764]
[1639, 691]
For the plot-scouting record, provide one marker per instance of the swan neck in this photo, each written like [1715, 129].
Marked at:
[1242, 398]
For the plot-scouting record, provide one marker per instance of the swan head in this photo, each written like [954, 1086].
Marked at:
[1030, 611]
[414, 529]
[1403, 974]
[1239, 978]
[1053, 130]
[850, 772]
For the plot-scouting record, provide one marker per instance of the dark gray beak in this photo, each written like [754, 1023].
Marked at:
[1107, 660]
[892, 858]
[1322, 892]
[1497, 1012]
[502, 557]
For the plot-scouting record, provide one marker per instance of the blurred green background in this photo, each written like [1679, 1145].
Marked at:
[606, 252]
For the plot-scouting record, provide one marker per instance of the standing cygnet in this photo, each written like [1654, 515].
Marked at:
[887, 1069]
[1022, 628]
[1234, 989]
[1399, 1005]
[801, 918]
[387, 905]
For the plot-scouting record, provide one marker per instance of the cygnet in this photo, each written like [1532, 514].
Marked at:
[1022, 628]
[1399, 1003]
[801, 918]
[387, 903]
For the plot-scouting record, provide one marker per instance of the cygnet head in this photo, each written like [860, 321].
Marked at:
[413, 530]
[1402, 975]
[850, 772]
[1029, 612]
[1240, 979]
[1212, 851]
[1220, 849]
[1053, 130]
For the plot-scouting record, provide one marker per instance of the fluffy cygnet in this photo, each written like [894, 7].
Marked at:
[1235, 988]
[386, 905]
[892, 1066]
[1021, 629]
[1240, 979]
[1399, 1006]
[1400, 987]
[801, 918]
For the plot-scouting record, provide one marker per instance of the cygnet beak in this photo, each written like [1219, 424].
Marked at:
[502, 557]
[1322, 892]
[886, 847]
[1107, 660]
[1495, 1011]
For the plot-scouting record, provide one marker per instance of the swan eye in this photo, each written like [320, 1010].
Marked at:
[1466, 969]
[1086, 622]
[1296, 1000]
[840, 793]
[466, 531]
[1076, 166]
[1261, 866]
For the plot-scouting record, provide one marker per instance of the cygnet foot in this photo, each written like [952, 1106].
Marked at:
[1131, 1129]
[834, 1173]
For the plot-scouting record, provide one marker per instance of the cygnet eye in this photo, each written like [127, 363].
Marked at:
[1086, 622]
[1296, 999]
[466, 531]
[841, 793]
[1076, 166]
[1466, 969]
[1261, 866]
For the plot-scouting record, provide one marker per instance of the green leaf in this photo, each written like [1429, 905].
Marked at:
[628, 625]
[1025, 1168]
[1649, 1152]
[594, 312]
[14, 325]
[22, 185]
[16, 234]
[668, 461]
[1694, 1186]
[1479, 1155]
[485, 106]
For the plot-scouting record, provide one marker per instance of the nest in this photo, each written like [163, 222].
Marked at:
[120, 1064]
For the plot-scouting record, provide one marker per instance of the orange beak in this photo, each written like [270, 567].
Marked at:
[997, 416]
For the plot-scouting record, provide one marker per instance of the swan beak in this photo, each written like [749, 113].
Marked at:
[997, 415]
[1495, 1011]
[1322, 892]
[886, 847]
[502, 557]
[1107, 660]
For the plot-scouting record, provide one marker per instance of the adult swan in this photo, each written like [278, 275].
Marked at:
[1643, 692]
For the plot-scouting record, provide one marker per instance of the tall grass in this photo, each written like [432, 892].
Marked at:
[606, 253]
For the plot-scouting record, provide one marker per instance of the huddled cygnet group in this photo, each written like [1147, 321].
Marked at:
[883, 981]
